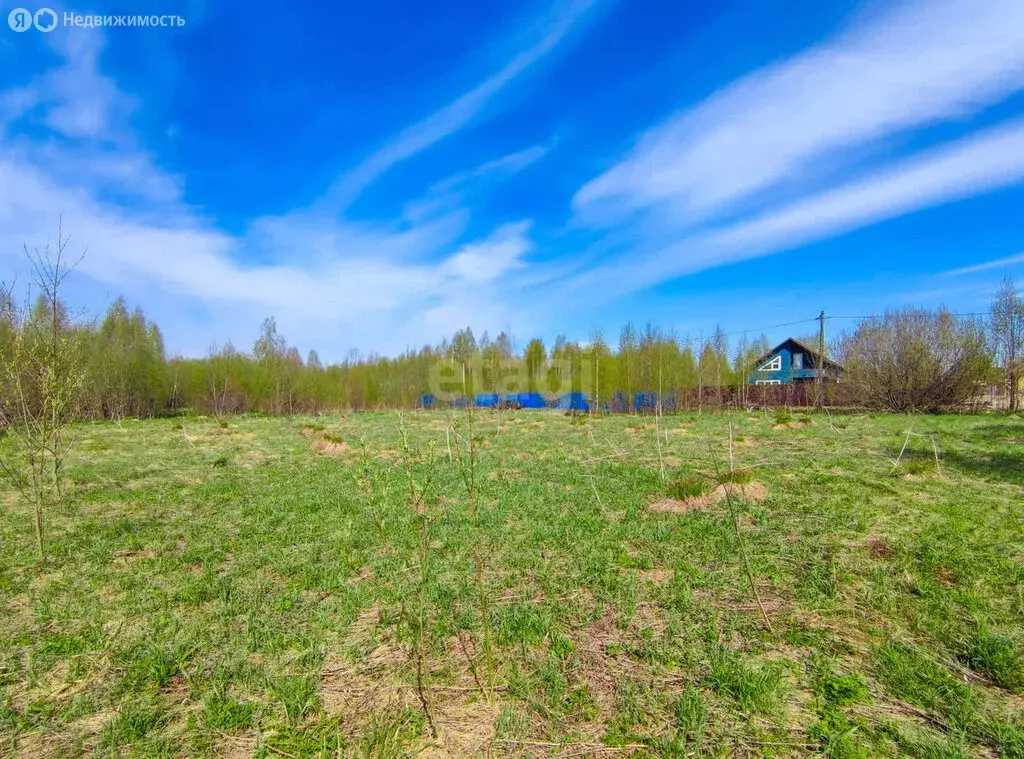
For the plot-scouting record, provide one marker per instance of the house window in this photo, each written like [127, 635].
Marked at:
[774, 365]
[798, 361]
[769, 382]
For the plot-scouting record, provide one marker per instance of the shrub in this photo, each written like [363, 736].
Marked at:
[915, 360]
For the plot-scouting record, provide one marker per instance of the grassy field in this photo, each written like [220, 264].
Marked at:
[274, 587]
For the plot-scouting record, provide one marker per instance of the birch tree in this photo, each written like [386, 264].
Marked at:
[1007, 332]
[42, 374]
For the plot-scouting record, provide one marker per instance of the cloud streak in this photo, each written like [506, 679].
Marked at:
[922, 63]
[982, 163]
[457, 114]
[999, 263]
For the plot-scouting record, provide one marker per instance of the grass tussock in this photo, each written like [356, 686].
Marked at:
[688, 487]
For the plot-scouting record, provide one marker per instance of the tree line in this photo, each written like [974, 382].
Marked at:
[903, 360]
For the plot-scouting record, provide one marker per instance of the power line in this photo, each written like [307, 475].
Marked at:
[816, 318]
[875, 316]
[772, 326]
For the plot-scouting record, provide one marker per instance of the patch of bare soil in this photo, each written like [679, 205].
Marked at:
[599, 669]
[35, 745]
[880, 549]
[945, 576]
[251, 458]
[675, 506]
[331, 448]
[774, 602]
[752, 491]
[466, 727]
[241, 746]
[656, 576]
[603, 668]
[382, 681]
[308, 431]
[135, 554]
[506, 474]
[176, 690]
[358, 690]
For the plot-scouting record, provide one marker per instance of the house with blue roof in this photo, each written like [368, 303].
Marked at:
[792, 362]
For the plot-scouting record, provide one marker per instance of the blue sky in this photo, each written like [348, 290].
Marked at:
[378, 175]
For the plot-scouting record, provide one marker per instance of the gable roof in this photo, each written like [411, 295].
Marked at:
[829, 363]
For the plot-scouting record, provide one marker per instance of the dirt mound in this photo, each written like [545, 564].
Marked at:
[752, 491]
[797, 425]
[330, 447]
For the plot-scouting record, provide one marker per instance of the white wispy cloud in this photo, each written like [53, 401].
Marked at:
[505, 165]
[981, 163]
[89, 116]
[450, 193]
[999, 263]
[75, 100]
[460, 112]
[917, 64]
[490, 259]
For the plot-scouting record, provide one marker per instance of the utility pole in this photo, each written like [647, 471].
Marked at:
[819, 375]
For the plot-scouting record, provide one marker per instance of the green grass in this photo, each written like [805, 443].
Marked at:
[754, 685]
[997, 656]
[687, 487]
[220, 588]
